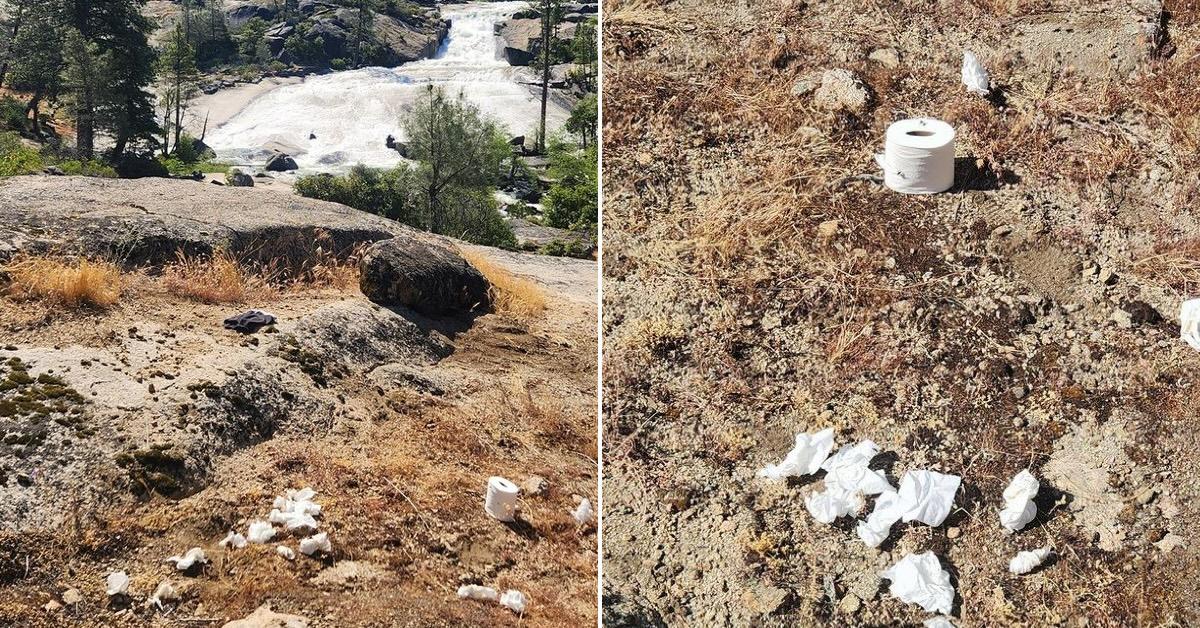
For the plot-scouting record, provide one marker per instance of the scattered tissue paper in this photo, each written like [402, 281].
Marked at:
[285, 552]
[927, 496]
[804, 459]
[878, 526]
[848, 470]
[164, 594]
[260, 532]
[832, 503]
[940, 621]
[1025, 562]
[514, 601]
[300, 501]
[919, 579]
[1189, 323]
[234, 540]
[192, 557]
[1019, 508]
[316, 543]
[476, 592]
[294, 520]
[117, 583]
[583, 514]
[974, 75]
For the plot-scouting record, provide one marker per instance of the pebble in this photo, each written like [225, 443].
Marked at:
[953, 533]
[1146, 495]
[850, 604]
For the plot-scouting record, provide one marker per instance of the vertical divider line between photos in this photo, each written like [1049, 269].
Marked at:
[600, 315]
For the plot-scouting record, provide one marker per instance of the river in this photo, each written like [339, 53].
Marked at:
[331, 122]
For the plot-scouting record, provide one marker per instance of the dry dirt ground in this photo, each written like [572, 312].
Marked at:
[759, 283]
[399, 455]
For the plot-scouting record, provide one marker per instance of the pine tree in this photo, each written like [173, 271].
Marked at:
[37, 57]
[83, 83]
[550, 12]
[128, 109]
[180, 81]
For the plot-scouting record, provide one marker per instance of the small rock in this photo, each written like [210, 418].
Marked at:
[71, 597]
[1107, 276]
[1146, 495]
[850, 604]
[887, 57]
[52, 606]
[678, 499]
[827, 230]
[1019, 391]
[536, 485]
[841, 89]
[953, 533]
[1122, 318]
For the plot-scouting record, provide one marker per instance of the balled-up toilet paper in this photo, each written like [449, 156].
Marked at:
[919, 579]
[1025, 562]
[927, 496]
[805, 458]
[1019, 508]
[974, 75]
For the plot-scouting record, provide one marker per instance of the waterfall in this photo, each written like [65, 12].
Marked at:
[348, 115]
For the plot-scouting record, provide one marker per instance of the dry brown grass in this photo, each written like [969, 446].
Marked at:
[220, 278]
[63, 281]
[1176, 265]
[510, 294]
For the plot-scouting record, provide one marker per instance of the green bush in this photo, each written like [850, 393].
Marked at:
[574, 199]
[566, 248]
[470, 214]
[12, 114]
[16, 158]
[87, 168]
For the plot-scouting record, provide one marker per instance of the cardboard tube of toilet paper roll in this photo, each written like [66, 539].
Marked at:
[918, 156]
[501, 501]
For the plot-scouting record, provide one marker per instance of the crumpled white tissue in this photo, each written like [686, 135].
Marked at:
[941, 621]
[919, 579]
[1025, 562]
[583, 513]
[234, 540]
[117, 583]
[974, 75]
[285, 552]
[298, 501]
[878, 525]
[476, 592]
[1189, 323]
[260, 532]
[185, 562]
[316, 543]
[293, 520]
[805, 458]
[828, 505]
[513, 600]
[848, 470]
[1019, 508]
[164, 594]
[927, 496]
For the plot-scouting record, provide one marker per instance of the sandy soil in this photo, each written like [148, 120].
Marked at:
[400, 469]
[759, 283]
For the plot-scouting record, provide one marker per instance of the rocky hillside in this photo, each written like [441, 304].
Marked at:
[522, 34]
[133, 433]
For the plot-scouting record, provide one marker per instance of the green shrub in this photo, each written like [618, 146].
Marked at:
[566, 248]
[12, 114]
[16, 158]
[574, 199]
[87, 168]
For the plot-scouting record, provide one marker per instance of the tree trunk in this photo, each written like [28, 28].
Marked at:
[545, 73]
[32, 108]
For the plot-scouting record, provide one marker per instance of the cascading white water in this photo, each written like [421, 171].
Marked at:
[349, 114]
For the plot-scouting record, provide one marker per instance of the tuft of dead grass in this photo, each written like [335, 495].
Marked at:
[220, 278]
[61, 281]
[510, 294]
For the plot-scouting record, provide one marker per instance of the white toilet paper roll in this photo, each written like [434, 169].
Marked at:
[501, 501]
[918, 156]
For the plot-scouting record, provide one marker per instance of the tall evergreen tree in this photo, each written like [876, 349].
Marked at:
[37, 57]
[128, 109]
[180, 83]
[83, 85]
[551, 13]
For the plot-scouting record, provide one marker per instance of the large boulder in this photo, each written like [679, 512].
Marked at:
[239, 179]
[238, 16]
[423, 275]
[522, 39]
[281, 162]
[145, 222]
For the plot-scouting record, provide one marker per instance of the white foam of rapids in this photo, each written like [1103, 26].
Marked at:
[351, 113]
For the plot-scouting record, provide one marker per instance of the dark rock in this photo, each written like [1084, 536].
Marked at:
[1142, 313]
[424, 275]
[55, 171]
[135, 167]
[281, 162]
[239, 179]
[238, 16]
